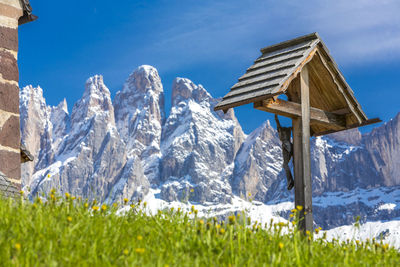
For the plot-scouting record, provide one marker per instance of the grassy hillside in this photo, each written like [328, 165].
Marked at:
[71, 232]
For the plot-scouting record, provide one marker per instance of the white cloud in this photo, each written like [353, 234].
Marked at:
[355, 31]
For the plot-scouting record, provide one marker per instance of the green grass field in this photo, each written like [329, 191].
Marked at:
[71, 232]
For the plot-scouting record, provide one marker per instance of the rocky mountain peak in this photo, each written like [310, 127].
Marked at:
[95, 102]
[183, 89]
[143, 79]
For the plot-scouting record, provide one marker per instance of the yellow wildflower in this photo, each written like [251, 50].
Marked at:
[195, 212]
[69, 218]
[126, 252]
[48, 175]
[249, 194]
[86, 205]
[139, 250]
[21, 192]
[103, 207]
[17, 246]
[52, 191]
[67, 195]
[201, 222]
[308, 232]
[126, 200]
[293, 210]
[280, 245]
[231, 219]
[132, 206]
[95, 208]
[139, 237]
[291, 215]
[144, 204]
[192, 190]
[115, 205]
[299, 207]
[222, 231]
[281, 224]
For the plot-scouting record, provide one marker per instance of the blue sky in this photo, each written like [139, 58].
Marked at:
[209, 42]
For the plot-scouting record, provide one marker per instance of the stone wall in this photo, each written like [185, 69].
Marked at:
[10, 159]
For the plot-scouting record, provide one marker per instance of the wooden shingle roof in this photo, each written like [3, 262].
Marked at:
[276, 71]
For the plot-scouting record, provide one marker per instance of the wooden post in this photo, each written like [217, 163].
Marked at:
[301, 159]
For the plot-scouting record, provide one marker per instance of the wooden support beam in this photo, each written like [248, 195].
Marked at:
[302, 165]
[293, 110]
[364, 123]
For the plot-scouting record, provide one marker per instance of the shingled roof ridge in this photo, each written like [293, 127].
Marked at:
[290, 43]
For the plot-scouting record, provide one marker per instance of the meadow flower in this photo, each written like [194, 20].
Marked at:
[21, 192]
[308, 232]
[222, 231]
[115, 205]
[103, 207]
[69, 218]
[280, 245]
[201, 222]
[192, 190]
[95, 208]
[299, 207]
[132, 206]
[231, 219]
[139, 237]
[86, 205]
[195, 212]
[67, 195]
[17, 246]
[126, 252]
[140, 250]
[48, 175]
[293, 210]
[144, 204]
[126, 200]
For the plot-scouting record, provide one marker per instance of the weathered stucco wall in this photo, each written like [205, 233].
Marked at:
[10, 160]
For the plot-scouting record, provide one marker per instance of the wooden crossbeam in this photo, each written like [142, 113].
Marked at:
[293, 110]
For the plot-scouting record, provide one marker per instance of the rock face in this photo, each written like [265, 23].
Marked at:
[139, 114]
[114, 150]
[198, 147]
[258, 164]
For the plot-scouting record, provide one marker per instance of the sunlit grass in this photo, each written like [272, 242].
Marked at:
[69, 231]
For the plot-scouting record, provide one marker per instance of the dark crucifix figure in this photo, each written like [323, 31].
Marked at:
[287, 150]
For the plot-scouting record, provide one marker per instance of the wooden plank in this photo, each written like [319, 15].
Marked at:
[253, 88]
[289, 52]
[230, 102]
[290, 43]
[299, 198]
[293, 110]
[275, 61]
[260, 79]
[341, 90]
[356, 125]
[282, 66]
[306, 154]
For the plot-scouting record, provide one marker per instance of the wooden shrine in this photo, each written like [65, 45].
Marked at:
[319, 101]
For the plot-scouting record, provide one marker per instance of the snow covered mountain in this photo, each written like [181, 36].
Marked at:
[128, 148]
